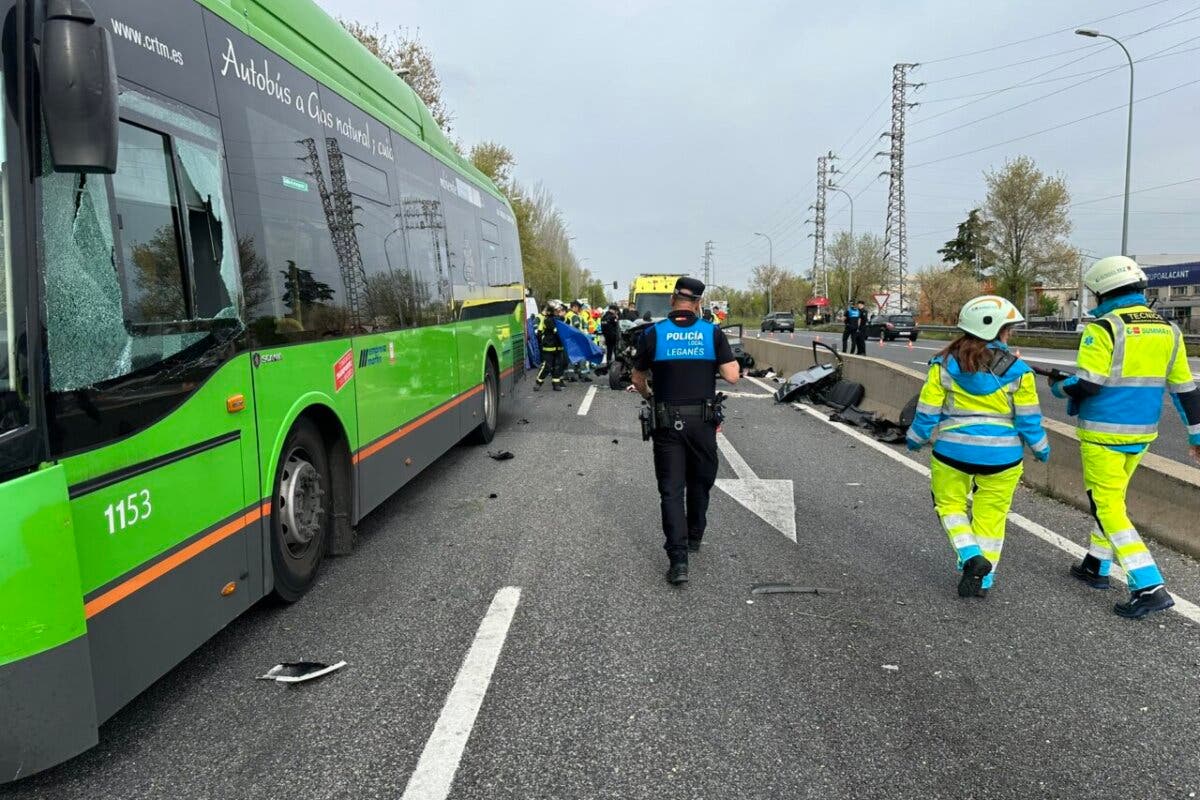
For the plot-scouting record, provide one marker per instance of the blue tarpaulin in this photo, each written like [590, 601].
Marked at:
[579, 345]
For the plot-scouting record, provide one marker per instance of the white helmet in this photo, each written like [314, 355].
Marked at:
[1112, 273]
[985, 316]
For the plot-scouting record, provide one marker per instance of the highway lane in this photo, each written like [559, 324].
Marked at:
[609, 683]
[1172, 439]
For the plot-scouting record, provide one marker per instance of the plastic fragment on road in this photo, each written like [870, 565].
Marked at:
[522, 421]
[616, 441]
[493, 496]
[299, 671]
[503, 455]
[790, 588]
[892, 667]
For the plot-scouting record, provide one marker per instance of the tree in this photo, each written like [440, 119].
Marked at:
[943, 291]
[968, 250]
[1026, 215]
[1047, 305]
[856, 267]
[404, 52]
[496, 161]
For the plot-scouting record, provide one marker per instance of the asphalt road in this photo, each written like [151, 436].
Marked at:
[1172, 436]
[613, 684]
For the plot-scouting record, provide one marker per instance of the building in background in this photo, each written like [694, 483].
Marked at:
[1174, 287]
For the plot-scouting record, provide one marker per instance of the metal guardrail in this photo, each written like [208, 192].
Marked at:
[1048, 333]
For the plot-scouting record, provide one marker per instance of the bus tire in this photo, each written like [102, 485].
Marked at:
[301, 511]
[491, 406]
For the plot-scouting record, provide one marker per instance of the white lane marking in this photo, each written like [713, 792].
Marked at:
[773, 501]
[754, 395]
[435, 770]
[770, 389]
[1056, 361]
[587, 401]
[1188, 609]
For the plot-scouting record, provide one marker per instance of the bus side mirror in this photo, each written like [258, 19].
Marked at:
[79, 89]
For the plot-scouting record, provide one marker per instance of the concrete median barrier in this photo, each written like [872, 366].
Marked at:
[1164, 496]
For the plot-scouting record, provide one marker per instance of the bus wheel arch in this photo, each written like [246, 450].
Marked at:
[310, 501]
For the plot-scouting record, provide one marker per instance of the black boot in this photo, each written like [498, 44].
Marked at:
[693, 545]
[556, 386]
[1145, 601]
[1089, 572]
[678, 573]
[973, 570]
[537, 386]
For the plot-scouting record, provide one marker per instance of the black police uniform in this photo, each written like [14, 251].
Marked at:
[850, 328]
[682, 354]
[610, 327]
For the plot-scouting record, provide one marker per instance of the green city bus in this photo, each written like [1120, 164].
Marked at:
[248, 290]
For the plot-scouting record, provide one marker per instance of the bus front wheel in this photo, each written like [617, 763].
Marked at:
[301, 511]
[491, 406]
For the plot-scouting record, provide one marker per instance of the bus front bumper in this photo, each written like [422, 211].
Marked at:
[48, 709]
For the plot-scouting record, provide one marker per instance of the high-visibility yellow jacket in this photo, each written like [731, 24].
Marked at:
[1127, 359]
[979, 417]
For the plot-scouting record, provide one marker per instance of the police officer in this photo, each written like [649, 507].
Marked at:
[683, 354]
[610, 327]
[554, 359]
[855, 319]
[1127, 358]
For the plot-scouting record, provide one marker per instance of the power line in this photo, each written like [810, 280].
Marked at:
[1139, 191]
[1044, 35]
[1054, 127]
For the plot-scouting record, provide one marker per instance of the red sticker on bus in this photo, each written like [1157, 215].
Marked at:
[343, 370]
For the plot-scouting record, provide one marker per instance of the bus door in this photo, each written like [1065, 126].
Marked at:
[150, 405]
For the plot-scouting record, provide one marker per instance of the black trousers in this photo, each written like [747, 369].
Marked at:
[847, 335]
[554, 364]
[610, 349]
[860, 342]
[685, 464]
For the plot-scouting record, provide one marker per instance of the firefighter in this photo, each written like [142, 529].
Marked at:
[1127, 358]
[554, 360]
[610, 327]
[978, 405]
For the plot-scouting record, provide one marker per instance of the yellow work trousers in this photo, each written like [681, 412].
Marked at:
[979, 530]
[1106, 475]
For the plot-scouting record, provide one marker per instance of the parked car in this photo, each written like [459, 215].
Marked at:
[889, 327]
[778, 321]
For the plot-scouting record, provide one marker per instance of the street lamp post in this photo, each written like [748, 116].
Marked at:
[850, 269]
[771, 260]
[1093, 34]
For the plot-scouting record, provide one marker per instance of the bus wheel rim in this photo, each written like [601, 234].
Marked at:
[489, 400]
[301, 503]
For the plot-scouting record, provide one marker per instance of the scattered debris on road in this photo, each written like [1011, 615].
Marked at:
[503, 455]
[892, 667]
[790, 588]
[522, 421]
[493, 496]
[299, 671]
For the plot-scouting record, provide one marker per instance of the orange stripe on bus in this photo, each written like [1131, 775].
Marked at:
[392, 437]
[153, 573]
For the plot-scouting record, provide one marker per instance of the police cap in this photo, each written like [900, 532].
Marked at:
[576, 304]
[691, 288]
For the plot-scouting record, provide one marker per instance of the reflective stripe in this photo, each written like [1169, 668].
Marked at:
[982, 441]
[956, 521]
[929, 408]
[1175, 348]
[958, 422]
[1029, 410]
[1136, 560]
[1040, 444]
[947, 380]
[1193, 430]
[962, 540]
[1146, 380]
[1102, 553]
[990, 543]
[1118, 355]
[1114, 427]
[1182, 388]
[1125, 537]
[1090, 377]
[914, 438]
[976, 414]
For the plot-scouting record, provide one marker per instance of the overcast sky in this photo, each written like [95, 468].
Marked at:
[658, 125]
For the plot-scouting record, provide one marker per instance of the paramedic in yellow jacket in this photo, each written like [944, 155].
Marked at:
[1128, 358]
[978, 406]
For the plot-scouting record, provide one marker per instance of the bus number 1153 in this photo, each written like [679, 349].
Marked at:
[129, 511]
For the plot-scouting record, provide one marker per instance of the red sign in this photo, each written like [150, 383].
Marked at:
[818, 301]
[343, 370]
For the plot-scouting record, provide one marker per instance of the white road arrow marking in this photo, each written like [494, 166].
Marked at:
[772, 500]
